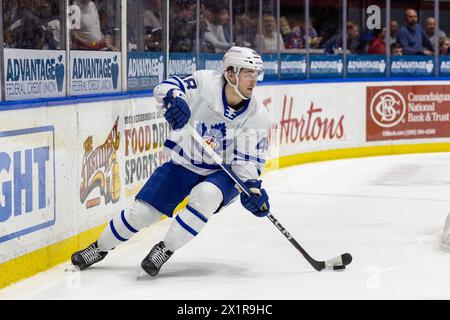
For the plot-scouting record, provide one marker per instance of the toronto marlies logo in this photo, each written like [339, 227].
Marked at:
[388, 108]
[214, 136]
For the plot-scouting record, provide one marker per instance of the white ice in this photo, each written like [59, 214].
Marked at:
[388, 212]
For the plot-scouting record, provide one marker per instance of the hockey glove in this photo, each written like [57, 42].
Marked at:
[258, 201]
[178, 112]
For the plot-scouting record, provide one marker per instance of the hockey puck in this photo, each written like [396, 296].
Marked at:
[346, 259]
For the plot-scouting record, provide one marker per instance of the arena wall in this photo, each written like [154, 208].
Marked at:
[68, 166]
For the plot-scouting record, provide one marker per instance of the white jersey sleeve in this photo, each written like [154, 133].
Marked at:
[251, 145]
[188, 86]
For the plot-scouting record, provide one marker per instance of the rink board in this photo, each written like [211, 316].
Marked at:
[66, 170]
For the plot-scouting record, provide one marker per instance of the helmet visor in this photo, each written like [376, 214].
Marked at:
[249, 74]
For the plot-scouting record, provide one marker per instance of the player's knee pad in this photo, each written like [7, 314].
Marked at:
[141, 215]
[205, 198]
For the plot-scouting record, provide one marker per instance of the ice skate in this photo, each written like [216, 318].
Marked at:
[153, 262]
[85, 258]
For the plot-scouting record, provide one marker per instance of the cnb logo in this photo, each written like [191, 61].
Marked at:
[387, 108]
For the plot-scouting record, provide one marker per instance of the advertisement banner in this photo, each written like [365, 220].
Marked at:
[95, 72]
[27, 181]
[444, 66]
[407, 112]
[210, 61]
[366, 66]
[34, 74]
[326, 66]
[293, 66]
[412, 66]
[144, 70]
[145, 131]
[270, 67]
[182, 64]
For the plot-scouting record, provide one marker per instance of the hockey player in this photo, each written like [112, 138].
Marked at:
[220, 108]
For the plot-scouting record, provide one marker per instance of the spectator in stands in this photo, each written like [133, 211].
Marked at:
[223, 19]
[89, 36]
[267, 41]
[430, 27]
[51, 25]
[215, 16]
[245, 29]
[377, 44]
[26, 30]
[412, 37]
[11, 14]
[152, 15]
[314, 39]
[444, 46]
[335, 43]
[183, 26]
[396, 49]
[394, 31]
[292, 38]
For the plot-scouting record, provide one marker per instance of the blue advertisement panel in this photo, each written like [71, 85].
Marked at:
[444, 66]
[293, 66]
[210, 61]
[366, 66]
[95, 72]
[27, 181]
[182, 64]
[326, 66]
[270, 67]
[144, 70]
[34, 74]
[412, 66]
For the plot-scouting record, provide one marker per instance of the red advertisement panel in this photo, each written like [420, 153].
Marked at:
[407, 112]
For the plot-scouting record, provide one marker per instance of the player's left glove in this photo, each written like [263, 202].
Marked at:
[178, 112]
[258, 201]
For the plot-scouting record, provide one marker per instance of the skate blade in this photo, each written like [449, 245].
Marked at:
[143, 275]
[72, 268]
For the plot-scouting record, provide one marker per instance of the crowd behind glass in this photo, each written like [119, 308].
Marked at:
[212, 26]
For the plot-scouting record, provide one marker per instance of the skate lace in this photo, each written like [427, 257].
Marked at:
[159, 256]
[91, 254]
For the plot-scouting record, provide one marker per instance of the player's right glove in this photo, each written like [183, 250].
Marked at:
[258, 201]
[178, 112]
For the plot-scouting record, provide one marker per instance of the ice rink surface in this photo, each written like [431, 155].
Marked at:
[388, 212]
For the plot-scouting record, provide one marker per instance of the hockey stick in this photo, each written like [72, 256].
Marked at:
[336, 263]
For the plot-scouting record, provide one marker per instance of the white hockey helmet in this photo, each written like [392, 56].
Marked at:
[242, 57]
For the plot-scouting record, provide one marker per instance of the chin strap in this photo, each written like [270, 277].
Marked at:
[235, 86]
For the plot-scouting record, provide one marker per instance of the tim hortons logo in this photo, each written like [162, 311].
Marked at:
[100, 169]
[310, 127]
[387, 108]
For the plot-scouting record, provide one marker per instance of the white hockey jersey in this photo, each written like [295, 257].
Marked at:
[239, 137]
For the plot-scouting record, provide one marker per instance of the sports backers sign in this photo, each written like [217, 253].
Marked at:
[408, 112]
[95, 72]
[31, 74]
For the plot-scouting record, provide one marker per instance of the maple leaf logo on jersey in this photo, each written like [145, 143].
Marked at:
[215, 136]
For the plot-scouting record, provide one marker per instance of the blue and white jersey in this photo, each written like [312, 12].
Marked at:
[239, 137]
